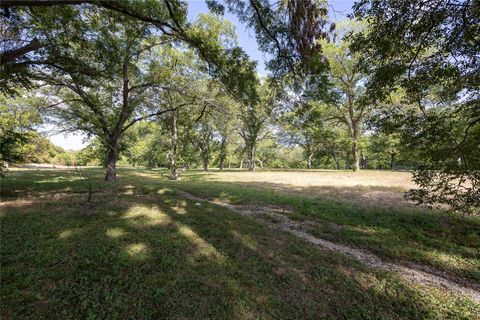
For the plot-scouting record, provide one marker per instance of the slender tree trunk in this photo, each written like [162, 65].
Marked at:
[223, 153]
[173, 155]
[310, 161]
[355, 151]
[241, 163]
[364, 161]
[356, 158]
[309, 151]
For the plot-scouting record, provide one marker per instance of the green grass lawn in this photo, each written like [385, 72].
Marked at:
[147, 253]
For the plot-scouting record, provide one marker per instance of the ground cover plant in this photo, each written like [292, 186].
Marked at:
[149, 252]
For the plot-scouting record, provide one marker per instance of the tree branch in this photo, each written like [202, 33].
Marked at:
[12, 55]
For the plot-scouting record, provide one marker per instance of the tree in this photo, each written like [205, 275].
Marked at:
[129, 88]
[287, 30]
[204, 140]
[19, 116]
[37, 22]
[305, 125]
[438, 52]
[104, 105]
[384, 148]
[348, 106]
[142, 144]
[253, 119]
[225, 122]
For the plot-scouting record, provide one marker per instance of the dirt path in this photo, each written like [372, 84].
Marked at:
[414, 273]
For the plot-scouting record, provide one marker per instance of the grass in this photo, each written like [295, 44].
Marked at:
[437, 239]
[148, 253]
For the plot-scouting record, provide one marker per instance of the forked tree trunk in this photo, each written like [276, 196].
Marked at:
[261, 163]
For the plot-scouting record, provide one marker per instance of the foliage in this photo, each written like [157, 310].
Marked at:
[20, 142]
[288, 31]
[428, 47]
[35, 23]
[253, 122]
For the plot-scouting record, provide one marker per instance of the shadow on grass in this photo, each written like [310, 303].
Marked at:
[448, 242]
[160, 256]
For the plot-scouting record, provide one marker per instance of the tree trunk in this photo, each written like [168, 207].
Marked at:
[356, 158]
[241, 163]
[355, 151]
[112, 157]
[173, 154]
[251, 159]
[205, 164]
[364, 162]
[310, 161]
[151, 163]
[223, 153]
[392, 161]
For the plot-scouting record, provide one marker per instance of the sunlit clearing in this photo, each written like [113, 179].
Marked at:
[450, 258]
[138, 251]
[164, 190]
[57, 179]
[115, 232]
[142, 174]
[142, 215]
[65, 234]
[180, 207]
[203, 248]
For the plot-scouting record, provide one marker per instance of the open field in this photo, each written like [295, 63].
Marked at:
[366, 188]
[145, 250]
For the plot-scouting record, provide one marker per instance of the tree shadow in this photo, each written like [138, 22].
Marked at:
[162, 256]
[435, 238]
